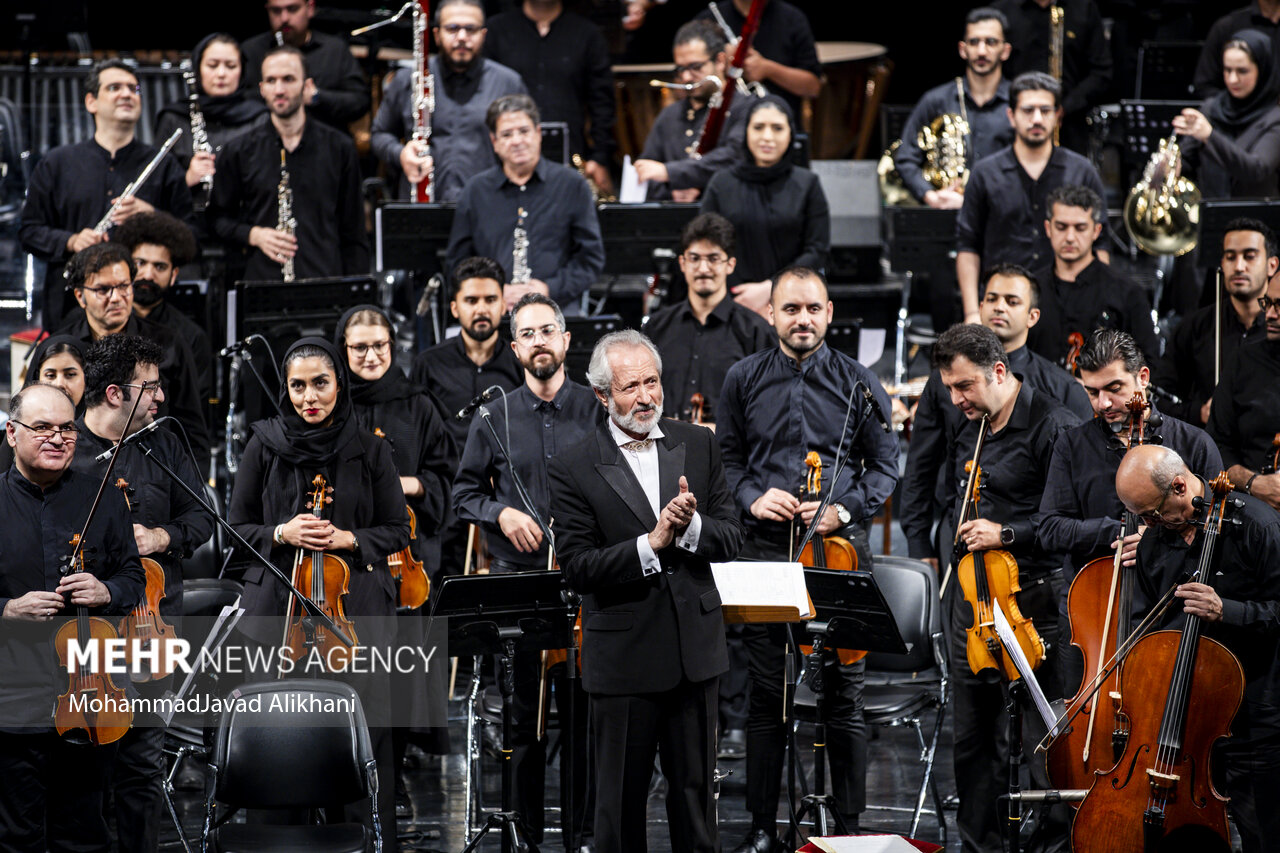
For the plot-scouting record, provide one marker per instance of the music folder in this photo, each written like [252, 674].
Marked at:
[753, 592]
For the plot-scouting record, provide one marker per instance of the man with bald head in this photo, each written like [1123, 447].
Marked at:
[1239, 605]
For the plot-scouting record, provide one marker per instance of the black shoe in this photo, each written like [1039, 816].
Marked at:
[733, 745]
[757, 841]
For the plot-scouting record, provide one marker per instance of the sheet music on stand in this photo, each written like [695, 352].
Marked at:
[218, 634]
[1005, 632]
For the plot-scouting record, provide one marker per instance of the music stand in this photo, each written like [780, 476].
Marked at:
[921, 240]
[412, 236]
[500, 614]
[555, 142]
[1145, 123]
[632, 233]
[850, 613]
[1162, 69]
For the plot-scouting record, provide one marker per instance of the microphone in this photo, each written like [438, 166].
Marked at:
[1168, 396]
[479, 400]
[875, 408]
[232, 349]
[151, 427]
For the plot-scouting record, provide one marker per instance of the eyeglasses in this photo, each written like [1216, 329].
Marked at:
[461, 29]
[378, 347]
[115, 88]
[696, 260]
[105, 291]
[1266, 303]
[1155, 516]
[546, 333]
[44, 432]
[990, 41]
[152, 385]
[692, 67]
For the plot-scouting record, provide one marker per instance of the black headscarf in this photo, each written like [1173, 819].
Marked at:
[1233, 115]
[293, 439]
[232, 110]
[392, 385]
[747, 169]
[42, 352]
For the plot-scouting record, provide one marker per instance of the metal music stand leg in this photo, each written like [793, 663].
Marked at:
[1016, 691]
[900, 346]
[820, 804]
[471, 779]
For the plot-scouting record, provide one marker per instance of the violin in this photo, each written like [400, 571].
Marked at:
[411, 578]
[100, 713]
[1274, 465]
[1075, 343]
[696, 405]
[826, 552]
[989, 579]
[1099, 605]
[144, 623]
[1160, 794]
[323, 578]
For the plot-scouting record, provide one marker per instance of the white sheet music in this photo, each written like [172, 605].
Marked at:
[1005, 631]
[218, 635]
[633, 190]
[750, 584]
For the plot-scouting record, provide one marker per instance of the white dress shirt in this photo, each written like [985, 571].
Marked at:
[644, 464]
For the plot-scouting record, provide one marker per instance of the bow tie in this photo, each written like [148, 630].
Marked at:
[637, 446]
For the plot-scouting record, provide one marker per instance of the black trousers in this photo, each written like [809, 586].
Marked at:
[51, 794]
[679, 726]
[1251, 772]
[136, 778]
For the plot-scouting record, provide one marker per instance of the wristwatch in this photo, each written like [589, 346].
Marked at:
[1006, 535]
[842, 513]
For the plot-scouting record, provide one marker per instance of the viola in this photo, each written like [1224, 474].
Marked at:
[1075, 343]
[1274, 465]
[144, 623]
[989, 579]
[1160, 794]
[100, 713]
[826, 552]
[323, 578]
[411, 578]
[1099, 605]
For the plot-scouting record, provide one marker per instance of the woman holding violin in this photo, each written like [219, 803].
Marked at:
[316, 448]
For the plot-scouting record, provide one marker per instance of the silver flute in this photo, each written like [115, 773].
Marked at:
[130, 191]
[285, 222]
[199, 132]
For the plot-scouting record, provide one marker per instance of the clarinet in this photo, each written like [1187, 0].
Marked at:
[424, 99]
[285, 223]
[130, 191]
[199, 133]
[520, 272]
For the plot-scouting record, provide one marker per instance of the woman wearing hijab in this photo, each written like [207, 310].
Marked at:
[317, 433]
[57, 360]
[779, 212]
[228, 107]
[1231, 145]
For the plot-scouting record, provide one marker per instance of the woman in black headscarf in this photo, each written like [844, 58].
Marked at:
[229, 108]
[1231, 145]
[778, 210]
[57, 360]
[317, 433]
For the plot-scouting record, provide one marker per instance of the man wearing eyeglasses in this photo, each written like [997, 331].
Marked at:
[1239, 605]
[465, 84]
[548, 414]
[168, 525]
[44, 503]
[73, 186]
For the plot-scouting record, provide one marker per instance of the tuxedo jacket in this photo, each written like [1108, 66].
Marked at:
[642, 634]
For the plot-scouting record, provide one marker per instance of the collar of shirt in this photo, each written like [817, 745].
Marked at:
[539, 174]
[818, 356]
[534, 402]
[620, 438]
[470, 73]
[21, 482]
[1019, 359]
[721, 313]
[1009, 161]
[1001, 95]
[123, 151]
[1020, 417]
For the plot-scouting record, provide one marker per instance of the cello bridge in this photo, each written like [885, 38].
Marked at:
[1163, 780]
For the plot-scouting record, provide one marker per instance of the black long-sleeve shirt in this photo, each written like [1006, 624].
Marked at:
[1236, 166]
[675, 134]
[567, 71]
[696, 356]
[989, 129]
[1080, 513]
[342, 95]
[926, 483]
[38, 529]
[1208, 78]
[1086, 57]
[1188, 364]
[460, 142]
[1098, 298]
[1015, 462]
[773, 412]
[533, 430]
[1246, 406]
[454, 380]
[324, 177]
[565, 247]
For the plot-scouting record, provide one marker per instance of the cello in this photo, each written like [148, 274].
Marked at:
[1160, 794]
[826, 552]
[144, 623]
[323, 578]
[1099, 606]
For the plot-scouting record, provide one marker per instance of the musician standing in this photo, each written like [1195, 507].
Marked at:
[168, 526]
[783, 56]
[465, 83]
[642, 509]
[1260, 15]
[548, 414]
[1239, 604]
[323, 185]
[1005, 201]
[776, 407]
[984, 108]
[51, 792]
[73, 186]
[1021, 427]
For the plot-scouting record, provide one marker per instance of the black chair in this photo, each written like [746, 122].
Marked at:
[207, 560]
[310, 751]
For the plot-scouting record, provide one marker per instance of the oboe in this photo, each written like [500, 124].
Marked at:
[130, 191]
[520, 272]
[285, 223]
[199, 133]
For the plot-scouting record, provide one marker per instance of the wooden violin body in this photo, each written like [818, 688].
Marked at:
[1075, 343]
[144, 623]
[989, 579]
[411, 578]
[827, 552]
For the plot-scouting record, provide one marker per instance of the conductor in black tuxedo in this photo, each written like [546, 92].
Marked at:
[641, 510]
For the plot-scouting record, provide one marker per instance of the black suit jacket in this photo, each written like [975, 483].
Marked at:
[643, 634]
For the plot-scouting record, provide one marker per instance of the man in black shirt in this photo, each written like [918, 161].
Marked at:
[73, 186]
[1260, 15]
[1239, 605]
[547, 206]
[328, 237]
[1020, 428]
[340, 95]
[1190, 367]
[667, 162]
[1002, 220]
[1009, 308]
[1078, 292]
[168, 525]
[51, 791]
[702, 337]
[564, 61]
[777, 406]
[783, 56]
[985, 108]
[548, 414]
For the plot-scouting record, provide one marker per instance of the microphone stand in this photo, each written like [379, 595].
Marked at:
[842, 457]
